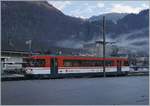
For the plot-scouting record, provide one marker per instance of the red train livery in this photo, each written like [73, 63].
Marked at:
[61, 66]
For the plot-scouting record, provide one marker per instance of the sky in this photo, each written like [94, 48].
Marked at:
[86, 9]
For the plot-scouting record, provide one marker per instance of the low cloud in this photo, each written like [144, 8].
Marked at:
[120, 8]
[69, 43]
[59, 4]
[100, 5]
[79, 12]
[86, 9]
[145, 5]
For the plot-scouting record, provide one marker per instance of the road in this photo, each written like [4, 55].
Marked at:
[77, 91]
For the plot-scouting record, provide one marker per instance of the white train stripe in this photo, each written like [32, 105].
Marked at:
[85, 70]
[65, 70]
[125, 68]
[39, 70]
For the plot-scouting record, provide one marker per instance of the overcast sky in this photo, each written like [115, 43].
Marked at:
[86, 9]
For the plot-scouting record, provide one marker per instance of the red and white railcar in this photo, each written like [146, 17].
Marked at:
[60, 66]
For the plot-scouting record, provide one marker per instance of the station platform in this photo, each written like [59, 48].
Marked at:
[12, 77]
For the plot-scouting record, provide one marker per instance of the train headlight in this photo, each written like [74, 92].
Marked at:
[29, 71]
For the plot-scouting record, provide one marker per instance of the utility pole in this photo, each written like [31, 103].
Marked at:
[104, 46]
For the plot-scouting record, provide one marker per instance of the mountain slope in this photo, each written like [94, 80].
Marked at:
[130, 31]
[48, 27]
[109, 16]
[38, 21]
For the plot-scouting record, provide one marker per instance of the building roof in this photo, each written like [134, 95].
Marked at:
[16, 53]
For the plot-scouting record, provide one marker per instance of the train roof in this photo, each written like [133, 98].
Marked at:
[76, 57]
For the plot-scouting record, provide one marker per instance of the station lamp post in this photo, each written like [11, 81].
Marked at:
[29, 43]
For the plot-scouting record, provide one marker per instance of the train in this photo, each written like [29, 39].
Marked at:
[74, 66]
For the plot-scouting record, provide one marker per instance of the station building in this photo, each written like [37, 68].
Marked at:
[12, 60]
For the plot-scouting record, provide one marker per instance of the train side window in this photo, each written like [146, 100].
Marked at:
[91, 63]
[76, 63]
[87, 63]
[67, 63]
[83, 63]
[126, 63]
[108, 63]
[72, 63]
[98, 63]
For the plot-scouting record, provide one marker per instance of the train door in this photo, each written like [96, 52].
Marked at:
[54, 66]
[119, 68]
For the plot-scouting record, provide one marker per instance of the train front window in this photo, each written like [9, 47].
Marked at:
[34, 63]
[39, 63]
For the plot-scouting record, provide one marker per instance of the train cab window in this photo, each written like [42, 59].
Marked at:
[39, 63]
